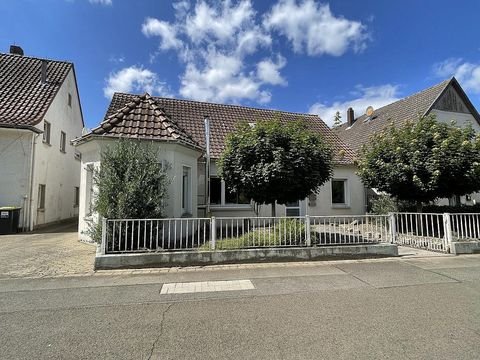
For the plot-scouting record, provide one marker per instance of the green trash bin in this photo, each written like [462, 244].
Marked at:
[9, 217]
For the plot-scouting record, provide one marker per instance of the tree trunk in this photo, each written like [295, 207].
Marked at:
[419, 206]
[274, 210]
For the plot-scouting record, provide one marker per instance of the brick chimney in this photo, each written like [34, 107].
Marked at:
[16, 50]
[350, 116]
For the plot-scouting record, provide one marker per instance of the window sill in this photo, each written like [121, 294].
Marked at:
[231, 207]
[340, 206]
[46, 143]
[63, 151]
[186, 215]
[41, 210]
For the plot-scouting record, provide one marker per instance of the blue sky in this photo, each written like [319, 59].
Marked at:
[304, 56]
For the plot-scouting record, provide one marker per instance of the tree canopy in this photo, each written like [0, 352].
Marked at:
[272, 161]
[422, 161]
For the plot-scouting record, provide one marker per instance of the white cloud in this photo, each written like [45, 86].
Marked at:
[101, 2]
[135, 79]
[312, 28]
[376, 96]
[214, 42]
[468, 74]
[166, 32]
[268, 71]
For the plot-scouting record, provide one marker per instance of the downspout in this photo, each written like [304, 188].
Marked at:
[32, 164]
[207, 165]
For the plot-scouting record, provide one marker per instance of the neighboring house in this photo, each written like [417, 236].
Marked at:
[446, 100]
[40, 113]
[178, 127]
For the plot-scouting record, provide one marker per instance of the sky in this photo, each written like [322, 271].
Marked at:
[295, 55]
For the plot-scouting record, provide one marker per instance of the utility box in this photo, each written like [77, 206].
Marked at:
[9, 217]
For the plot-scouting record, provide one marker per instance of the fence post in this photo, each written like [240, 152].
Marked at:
[213, 232]
[393, 227]
[103, 245]
[448, 231]
[308, 239]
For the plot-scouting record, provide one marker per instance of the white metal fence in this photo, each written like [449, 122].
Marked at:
[421, 230]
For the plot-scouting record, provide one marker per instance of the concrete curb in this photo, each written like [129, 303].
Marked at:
[195, 258]
[465, 247]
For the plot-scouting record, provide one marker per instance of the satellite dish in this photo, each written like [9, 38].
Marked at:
[369, 111]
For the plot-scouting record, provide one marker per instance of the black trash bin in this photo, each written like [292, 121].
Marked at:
[9, 217]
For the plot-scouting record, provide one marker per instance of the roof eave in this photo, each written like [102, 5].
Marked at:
[21, 127]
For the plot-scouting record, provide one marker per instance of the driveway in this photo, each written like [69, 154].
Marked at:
[54, 251]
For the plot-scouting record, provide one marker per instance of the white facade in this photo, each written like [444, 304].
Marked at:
[28, 162]
[318, 204]
[176, 158]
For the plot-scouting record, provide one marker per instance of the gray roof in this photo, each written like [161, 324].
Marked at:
[398, 112]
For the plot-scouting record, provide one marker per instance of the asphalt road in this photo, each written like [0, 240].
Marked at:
[371, 309]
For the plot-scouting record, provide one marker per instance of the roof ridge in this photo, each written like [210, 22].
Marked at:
[227, 105]
[36, 58]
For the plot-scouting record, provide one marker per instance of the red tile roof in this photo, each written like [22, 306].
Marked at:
[24, 99]
[141, 118]
[189, 116]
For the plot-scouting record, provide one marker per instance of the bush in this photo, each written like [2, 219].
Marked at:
[130, 183]
[383, 204]
[286, 231]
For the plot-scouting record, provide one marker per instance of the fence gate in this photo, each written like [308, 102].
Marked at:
[422, 230]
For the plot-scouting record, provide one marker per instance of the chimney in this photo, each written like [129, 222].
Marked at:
[44, 72]
[16, 50]
[350, 116]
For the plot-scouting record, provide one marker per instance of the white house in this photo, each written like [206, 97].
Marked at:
[40, 113]
[180, 129]
[446, 100]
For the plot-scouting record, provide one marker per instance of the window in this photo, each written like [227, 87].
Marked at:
[41, 197]
[215, 190]
[89, 190]
[339, 192]
[186, 191]
[292, 208]
[69, 99]
[232, 197]
[63, 141]
[46, 132]
[76, 196]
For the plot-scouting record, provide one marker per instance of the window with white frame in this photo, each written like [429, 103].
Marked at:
[220, 195]
[89, 195]
[41, 196]
[46, 132]
[63, 141]
[339, 192]
[292, 208]
[186, 191]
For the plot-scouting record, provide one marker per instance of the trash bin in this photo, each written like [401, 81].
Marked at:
[9, 217]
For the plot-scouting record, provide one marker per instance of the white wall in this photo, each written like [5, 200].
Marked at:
[461, 119]
[15, 165]
[59, 171]
[321, 206]
[174, 155]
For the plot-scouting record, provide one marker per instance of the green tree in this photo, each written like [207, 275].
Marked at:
[130, 183]
[337, 119]
[273, 161]
[422, 161]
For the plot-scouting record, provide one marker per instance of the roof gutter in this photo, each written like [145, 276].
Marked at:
[21, 127]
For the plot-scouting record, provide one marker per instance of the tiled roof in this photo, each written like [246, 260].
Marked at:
[24, 99]
[398, 112]
[141, 118]
[190, 115]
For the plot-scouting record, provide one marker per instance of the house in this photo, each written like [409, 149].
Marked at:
[40, 113]
[180, 128]
[446, 100]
